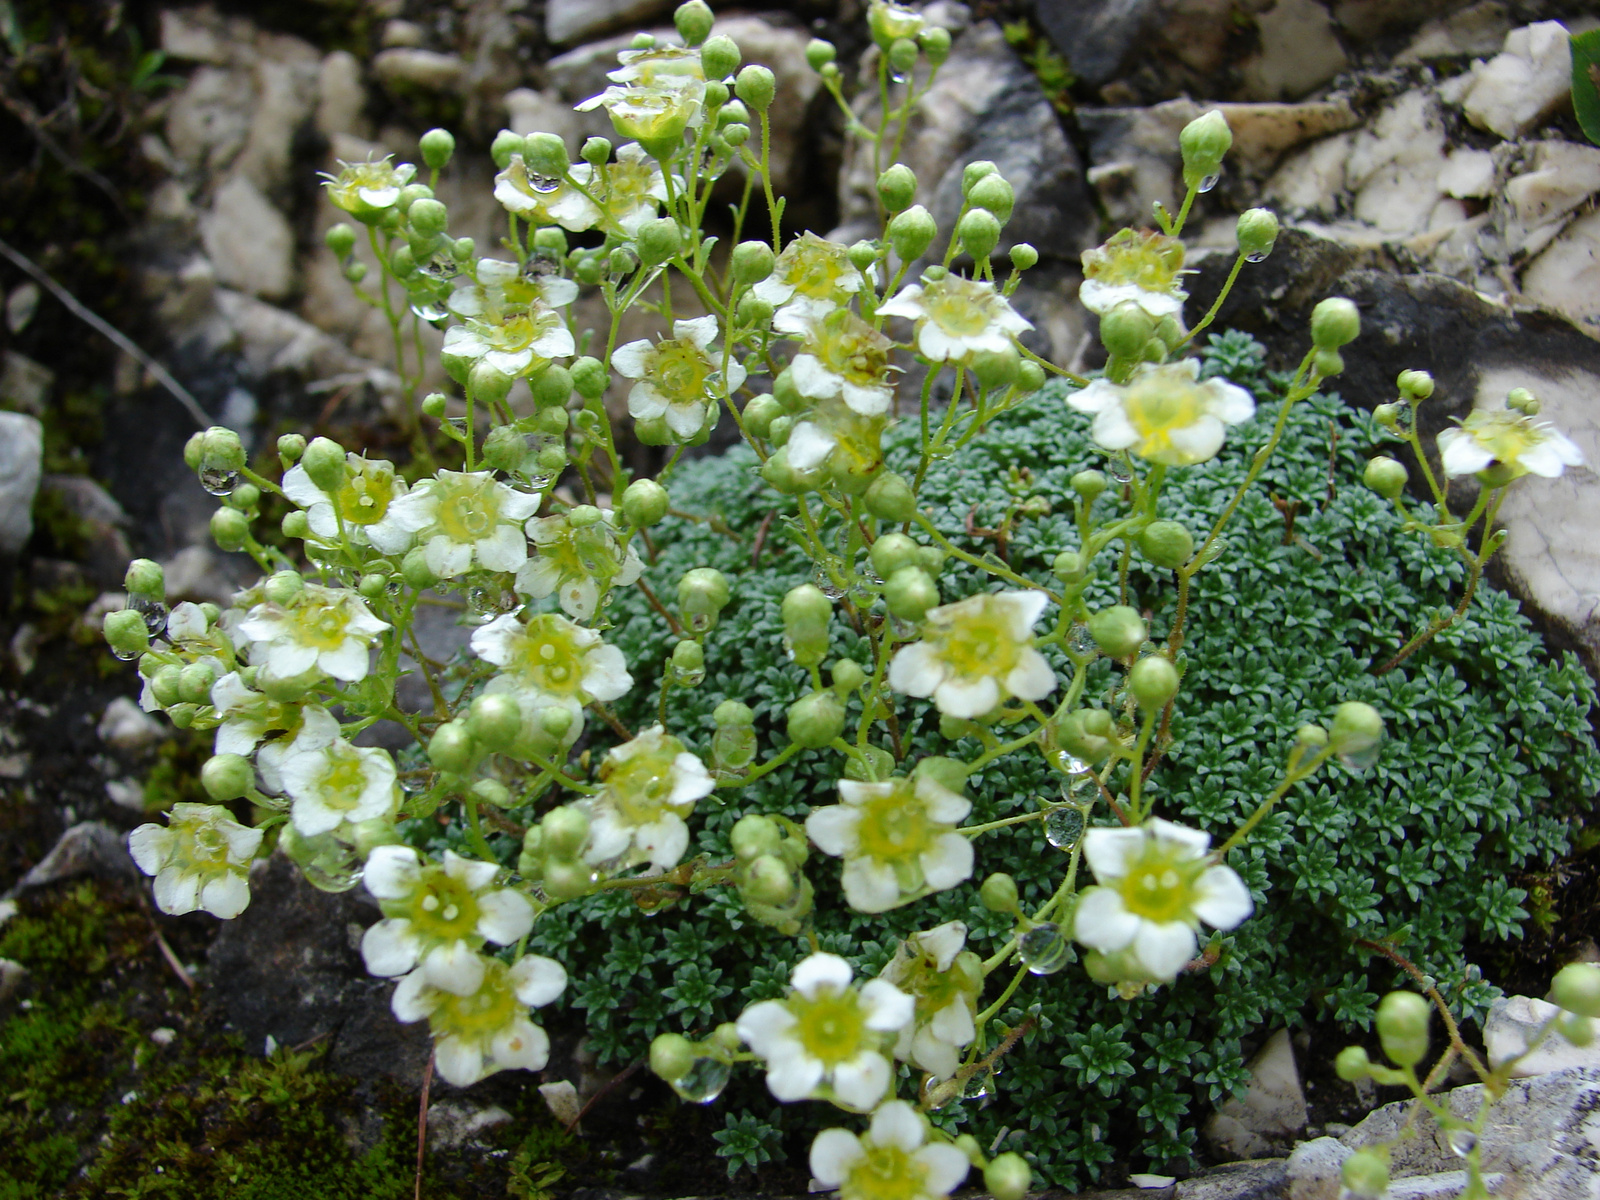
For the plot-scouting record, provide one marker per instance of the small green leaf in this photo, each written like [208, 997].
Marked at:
[1586, 82]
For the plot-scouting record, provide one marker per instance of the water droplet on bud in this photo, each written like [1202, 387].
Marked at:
[1258, 257]
[544, 184]
[427, 310]
[704, 1080]
[1120, 473]
[219, 481]
[1063, 827]
[154, 613]
[1461, 1142]
[1079, 640]
[1209, 182]
[1043, 949]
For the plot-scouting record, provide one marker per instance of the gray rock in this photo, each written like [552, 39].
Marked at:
[127, 727]
[285, 79]
[567, 21]
[1514, 1022]
[99, 543]
[1550, 180]
[1566, 275]
[455, 1123]
[21, 449]
[24, 384]
[272, 342]
[1521, 87]
[12, 976]
[290, 967]
[199, 573]
[1477, 29]
[1267, 1179]
[209, 120]
[249, 240]
[1094, 37]
[88, 848]
[1270, 1114]
[341, 96]
[407, 68]
[1313, 1169]
[1299, 52]
[529, 111]
[1366, 19]
[200, 35]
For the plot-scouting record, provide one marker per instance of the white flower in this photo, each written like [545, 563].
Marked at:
[897, 838]
[331, 781]
[892, 1160]
[945, 980]
[436, 917]
[546, 201]
[1509, 443]
[811, 278]
[330, 629]
[578, 556]
[1141, 267]
[501, 289]
[649, 786]
[513, 345]
[200, 860]
[662, 93]
[464, 518]
[245, 715]
[975, 653]
[1156, 886]
[551, 656]
[957, 318]
[679, 378]
[842, 357]
[827, 1034]
[365, 189]
[1165, 413]
[363, 503]
[187, 623]
[485, 1029]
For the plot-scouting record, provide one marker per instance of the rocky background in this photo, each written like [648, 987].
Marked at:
[159, 162]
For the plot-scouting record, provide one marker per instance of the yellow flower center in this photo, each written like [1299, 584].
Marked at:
[364, 498]
[816, 268]
[979, 642]
[849, 347]
[957, 306]
[443, 908]
[832, 1025]
[641, 786]
[480, 1016]
[884, 1173]
[1506, 435]
[680, 371]
[343, 777]
[546, 656]
[1147, 260]
[467, 511]
[895, 827]
[1158, 405]
[1160, 885]
[199, 846]
[324, 627]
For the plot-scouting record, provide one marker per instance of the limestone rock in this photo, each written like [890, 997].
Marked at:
[1299, 52]
[209, 120]
[1094, 36]
[21, 449]
[1522, 86]
[1271, 1112]
[341, 96]
[567, 21]
[284, 97]
[1261, 1180]
[405, 68]
[199, 573]
[24, 384]
[529, 111]
[1393, 169]
[1477, 29]
[1555, 179]
[125, 726]
[1566, 277]
[1467, 174]
[1313, 1169]
[453, 1123]
[201, 35]
[99, 543]
[88, 848]
[273, 341]
[1515, 1020]
[1366, 19]
[249, 240]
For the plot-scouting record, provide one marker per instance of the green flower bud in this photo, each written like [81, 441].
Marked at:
[643, 41]
[622, 261]
[1521, 400]
[555, 721]
[1365, 1174]
[230, 529]
[1204, 143]
[768, 880]
[973, 172]
[759, 413]
[1403, 1027]
[755, 86]
[819, 53]
[754, 312]
[450, 748]
[1386, 477]
[244, 497]
[689, 657]
[996, 370]
[1417, 385]
[693, 20]
[288, 689]
[1023, 256]
[487, 383]
[734, 112]
[935, 42]
[495, 721]
[1356, 733]
[567, 879]
[949, 773]
[1166, 544]
[720, 57]
[1008, 1177]
[227, 777]
[1576, 988]
[324, 462]
[596, 151]
[1126, 330]
[291, 447]
[659, 241]
[505, 144]
[164, 685]
[862, 255]
[910, 593]
[1352, 1064]
[1327, 363]
[753, 835]
[144, 577]
[806, 614]
[403, 262]
[492, 792]
[999, 893]
[1335, 322]
[716, 95]
[702, 595]
[1153, 681]
[582, 516]
[911, 233]
[296, 524]
[505, 448]
[553, 387]
[415, 571]
[1311, 736]
[566, 829]
[428, 217]
[644, 503]
[671, 1054]
[1257, 233]
[897, 187]
[784, 478]
[1577, 1030]
[1088, 484]
[1030, 376]
[902, 56]
[994, 194]
[434, 405]
[372, 584]
[437, 146]
[1087, 733]
[589, 377]
[194, 683]
[847, 676]
[752, 262]
[462, 249]
[282, 587]
[815, 720]
[1067, 566]
[889, 497]
[931, 559]
[891, 552]
[341, 239]
[1119, 630]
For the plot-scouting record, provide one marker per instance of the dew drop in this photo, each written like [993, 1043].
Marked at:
[428, 310]
[1257, 257]
[1461, 1142]
[1361, 758]
[1120, 473]
[154, 613]
[124, 655]
[898, 76]
[219, 481]
[1063, 827]
[1044, 949]
[704, 1080]
[1079, 640]
[544, 184]
[825, 584]
[1209, 182]
[1071, 764]
[979, 1086]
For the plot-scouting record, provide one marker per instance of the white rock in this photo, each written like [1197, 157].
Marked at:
[1513, 1023]
[21, 449]
[561, 1098]
[210, 119]
[454, 1123]
[128, 727]
[1393, 168]
[1271, 1112]
[1299, 52]
[1556, 178]
[341, 96]
[1566, 277]
[195, 573]
[427, 70]
[529, 111]
[126, 793]
[200, 35]
[285, 97]
[24, 384]
[1523, 85]
[272, 340]
[249, 240]
[574, 20]
[1313, 1169]
[12, 976]
[1477, 29]
[1467, 174]
[403, 33]
[21, 303]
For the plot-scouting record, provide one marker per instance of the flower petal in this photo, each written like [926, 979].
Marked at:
[833, 1153]
[504, 916]
[389, 947]
[820, 971]
[1102, 922]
